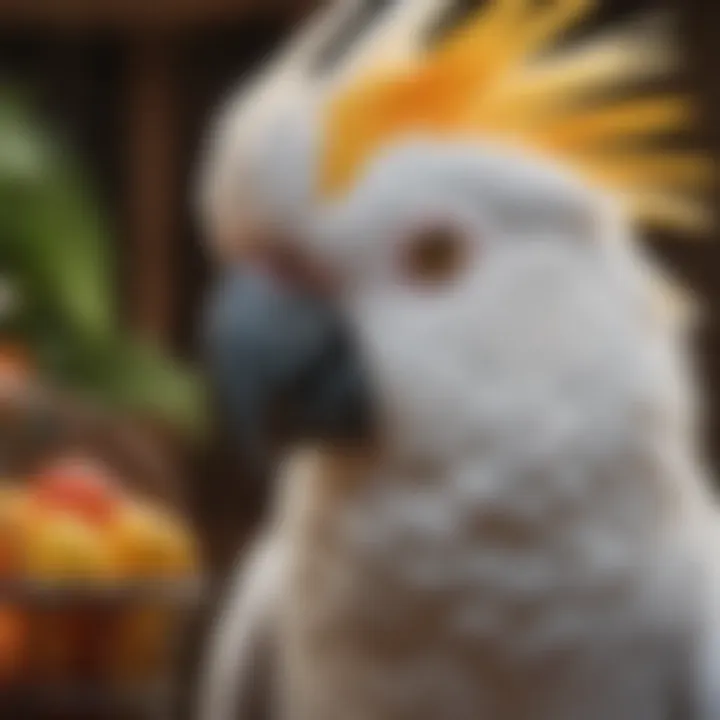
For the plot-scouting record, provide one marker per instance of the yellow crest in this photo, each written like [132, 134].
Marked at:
[498, 78]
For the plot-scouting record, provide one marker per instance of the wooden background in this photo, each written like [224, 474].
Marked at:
[132, 84]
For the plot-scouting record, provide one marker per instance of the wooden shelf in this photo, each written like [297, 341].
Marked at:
[134, 15]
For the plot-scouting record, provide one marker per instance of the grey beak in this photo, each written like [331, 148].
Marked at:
[284, 366]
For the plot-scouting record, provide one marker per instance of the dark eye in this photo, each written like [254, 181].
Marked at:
[435, 255]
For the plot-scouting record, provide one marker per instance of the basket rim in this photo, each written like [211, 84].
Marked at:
[188, 591]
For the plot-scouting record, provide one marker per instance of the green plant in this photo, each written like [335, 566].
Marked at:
[57, 281]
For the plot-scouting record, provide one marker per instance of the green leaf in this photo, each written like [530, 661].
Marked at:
[139, 379]
[56, 255]
[51, 229]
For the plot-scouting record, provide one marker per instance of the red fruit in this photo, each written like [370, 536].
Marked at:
[79, 486]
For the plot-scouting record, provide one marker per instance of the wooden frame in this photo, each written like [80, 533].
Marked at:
[135, 15]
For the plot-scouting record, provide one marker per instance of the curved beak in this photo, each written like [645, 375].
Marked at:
[284, 365]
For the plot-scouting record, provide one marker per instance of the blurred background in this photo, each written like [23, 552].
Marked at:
[103, 105]
[106, 102]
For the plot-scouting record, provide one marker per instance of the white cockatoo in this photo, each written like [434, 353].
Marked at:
[492, 506]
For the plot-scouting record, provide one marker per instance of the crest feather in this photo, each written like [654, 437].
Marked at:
[395, 39]
[501, 76]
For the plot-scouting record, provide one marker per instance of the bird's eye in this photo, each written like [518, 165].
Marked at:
[435, 255]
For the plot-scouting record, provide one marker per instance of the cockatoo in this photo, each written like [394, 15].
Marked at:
[491, 505]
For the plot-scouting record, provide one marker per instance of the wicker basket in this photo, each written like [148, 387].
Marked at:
[93, 686]
[80, 661]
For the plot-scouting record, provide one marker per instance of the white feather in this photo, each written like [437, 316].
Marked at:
[242, 633]
[535, 540]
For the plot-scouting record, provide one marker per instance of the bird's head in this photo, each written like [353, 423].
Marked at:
[446, 235]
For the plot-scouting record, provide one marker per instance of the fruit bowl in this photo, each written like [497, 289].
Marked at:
[97, 651]
[98, 577]
[97, 583]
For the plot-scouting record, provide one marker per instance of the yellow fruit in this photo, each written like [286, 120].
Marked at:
[152, 544]
[62, 548]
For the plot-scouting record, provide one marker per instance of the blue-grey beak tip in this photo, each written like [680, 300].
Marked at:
[284, 365]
